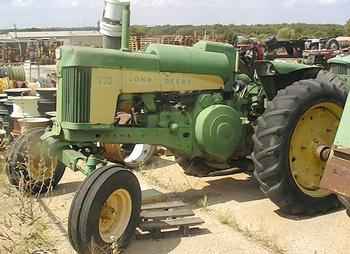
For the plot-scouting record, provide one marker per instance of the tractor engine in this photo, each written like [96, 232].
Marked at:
[189, 100]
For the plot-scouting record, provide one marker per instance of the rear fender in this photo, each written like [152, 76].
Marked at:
[277, 75]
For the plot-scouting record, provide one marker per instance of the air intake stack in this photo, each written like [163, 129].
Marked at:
[115, 24]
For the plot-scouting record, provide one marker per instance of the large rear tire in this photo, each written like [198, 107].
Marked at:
[301, 118]
[105, 211]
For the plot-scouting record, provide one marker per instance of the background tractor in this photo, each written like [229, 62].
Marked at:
[193, 101]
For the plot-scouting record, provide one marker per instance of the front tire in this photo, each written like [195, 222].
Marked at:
[30, 167]
[299, 119]
[105, 211]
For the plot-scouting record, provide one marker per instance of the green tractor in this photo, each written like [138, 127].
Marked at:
[193, 101]
[337, 174]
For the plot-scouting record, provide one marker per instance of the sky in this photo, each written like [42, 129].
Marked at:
[73, 13]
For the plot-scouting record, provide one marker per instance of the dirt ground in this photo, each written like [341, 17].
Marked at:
[238, 218]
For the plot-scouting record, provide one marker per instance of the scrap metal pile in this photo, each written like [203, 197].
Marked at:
[37, 51]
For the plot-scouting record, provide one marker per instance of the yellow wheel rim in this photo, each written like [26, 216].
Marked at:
[318, 126]
[115, 215]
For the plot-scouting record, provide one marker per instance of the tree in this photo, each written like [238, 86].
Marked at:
[286, 33]
[347, 28]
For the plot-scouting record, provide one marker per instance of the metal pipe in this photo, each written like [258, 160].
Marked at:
[125, 27]
[110, 42]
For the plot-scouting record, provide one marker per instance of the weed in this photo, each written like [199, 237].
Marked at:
[23, 228]
[203, 203]
[227, 218]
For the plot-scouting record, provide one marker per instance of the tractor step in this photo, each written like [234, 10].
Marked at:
[337, 174]
[159, 217]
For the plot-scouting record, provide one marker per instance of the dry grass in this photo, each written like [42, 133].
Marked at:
[203, 203]
[227, 218]
[23, 228]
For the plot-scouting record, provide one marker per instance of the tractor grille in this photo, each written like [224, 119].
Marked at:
[340, 69]
[76, 84]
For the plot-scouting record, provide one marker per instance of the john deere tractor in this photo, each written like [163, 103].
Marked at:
[337, 174]
[195, 102]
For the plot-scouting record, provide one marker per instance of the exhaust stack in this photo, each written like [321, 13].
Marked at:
[115, 24]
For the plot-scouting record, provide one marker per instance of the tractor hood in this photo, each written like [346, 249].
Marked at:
[105, 58]
[203, 58]
[284, 67]
[340, 60]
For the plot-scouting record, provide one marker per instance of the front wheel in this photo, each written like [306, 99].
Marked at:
[297, 123]
[105, 211]
[30, 167]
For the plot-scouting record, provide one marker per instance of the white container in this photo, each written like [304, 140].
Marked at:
[25, 107]
[28, 124]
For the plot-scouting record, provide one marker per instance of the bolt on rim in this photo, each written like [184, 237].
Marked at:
[115, 215]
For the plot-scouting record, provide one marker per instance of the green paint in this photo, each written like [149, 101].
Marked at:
[283, 67]
[125, 26]
[276, 75]
[340, 60]
[340, 65]
[218, 130]
[157, 58]
[342, 138]
[212, 125]
[70, 157]
[91, 164]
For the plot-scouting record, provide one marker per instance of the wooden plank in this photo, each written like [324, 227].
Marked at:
[159, 215]
[163, 205]
[169, 224]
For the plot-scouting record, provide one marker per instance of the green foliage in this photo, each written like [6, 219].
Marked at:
[347, 28]
[286, 33]
[262, 32]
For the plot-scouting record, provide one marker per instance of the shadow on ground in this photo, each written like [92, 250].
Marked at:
[146, 244]
[307, 217]
[223, 190]
[157, 163]
[240, 188]
[65, 188]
